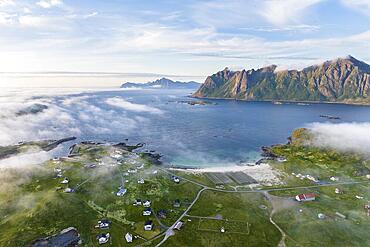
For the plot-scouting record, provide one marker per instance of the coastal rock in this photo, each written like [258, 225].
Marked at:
[33, 109]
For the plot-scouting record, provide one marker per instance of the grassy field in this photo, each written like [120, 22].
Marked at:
[301, 222]
[304, 228]
[245, 223]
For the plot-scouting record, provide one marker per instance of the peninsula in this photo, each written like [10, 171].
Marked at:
[344, 80]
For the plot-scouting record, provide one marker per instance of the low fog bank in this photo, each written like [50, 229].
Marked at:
[67, 113]
[34, 156]
[12, 176]
[345, 137]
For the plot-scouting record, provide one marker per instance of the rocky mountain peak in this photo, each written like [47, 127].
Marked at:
[343, 79]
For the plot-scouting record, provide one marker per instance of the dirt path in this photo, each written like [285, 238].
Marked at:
[283, 234]
[278, 204]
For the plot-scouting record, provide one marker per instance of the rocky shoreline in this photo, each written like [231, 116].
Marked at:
[45, 145]
[286, 101]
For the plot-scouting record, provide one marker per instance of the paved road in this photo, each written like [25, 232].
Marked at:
[79, 185]
[169, 231]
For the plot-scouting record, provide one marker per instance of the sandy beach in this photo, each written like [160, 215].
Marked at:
[263, 172]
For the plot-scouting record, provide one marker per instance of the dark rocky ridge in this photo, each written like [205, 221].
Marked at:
[163, 83]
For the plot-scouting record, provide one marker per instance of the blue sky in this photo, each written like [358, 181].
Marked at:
[178, 38]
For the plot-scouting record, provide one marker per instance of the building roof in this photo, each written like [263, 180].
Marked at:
[148, 222]
[306, 196]
[178, 225]
[104, 221]
[128, 237]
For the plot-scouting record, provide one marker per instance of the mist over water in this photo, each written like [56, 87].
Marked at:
[223, 134]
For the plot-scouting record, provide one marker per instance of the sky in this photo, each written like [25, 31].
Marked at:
[88, 43]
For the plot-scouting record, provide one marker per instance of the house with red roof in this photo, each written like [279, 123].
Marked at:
[305, 197]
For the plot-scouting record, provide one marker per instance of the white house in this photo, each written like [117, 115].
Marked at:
[321, 216]
[65, 181]
[147, 211]
[128, 238]
[175, 179]
[137, 202]
[68, 190]
[148, 226]
[140, 181]
[121, 192]
[305, 197]
[103, 238]
[146, 203]
[178, 225]
[103, 224]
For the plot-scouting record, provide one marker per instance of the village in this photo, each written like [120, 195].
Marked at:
[119, 197]
[161, 221]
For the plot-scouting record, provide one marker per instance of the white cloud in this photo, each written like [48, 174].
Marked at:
[280, 13]
[47, 4]
[126, 105]
[286, 28]
[362, 6]
[241, 13]
[93, 14]
[32, 157]
[5, 3]
[27, 10]
[33, 21]
[6, 19]
[41, 21]
[353, 137]
[208, 43]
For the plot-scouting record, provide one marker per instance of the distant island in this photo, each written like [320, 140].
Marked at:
[163, 83]
[344, 80]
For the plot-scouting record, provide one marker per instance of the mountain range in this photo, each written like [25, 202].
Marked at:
[163, 83]
[344, 80]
